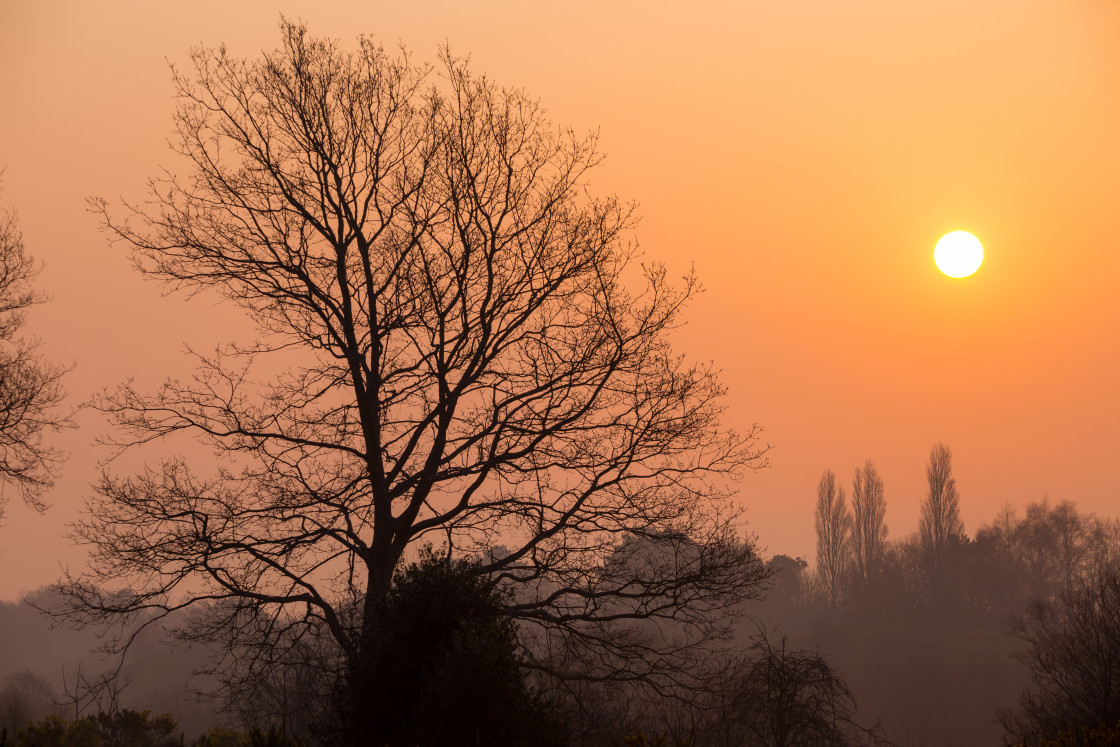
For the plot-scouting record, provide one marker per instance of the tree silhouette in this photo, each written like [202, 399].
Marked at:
[448, 354]
[940, 525]
[30, 387]
[833, 523]
[1073, 658]
[869, 528]
[24, 697]
[792, 697]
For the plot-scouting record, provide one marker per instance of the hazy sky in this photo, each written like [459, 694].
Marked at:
[803, 156]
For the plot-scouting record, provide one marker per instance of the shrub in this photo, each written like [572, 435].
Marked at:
[444, 668]
[126, 728]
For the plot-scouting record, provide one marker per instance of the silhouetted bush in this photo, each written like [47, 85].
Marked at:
[1097, 736]
[126, 728]
[444, 668]
[788, 697]
[222, 737]
[641, 740]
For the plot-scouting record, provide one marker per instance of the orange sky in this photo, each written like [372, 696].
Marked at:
[804, 156]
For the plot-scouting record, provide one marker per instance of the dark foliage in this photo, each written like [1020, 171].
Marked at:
[1098, 736]
[445, 669]
[126, 728]
[640, 739]
[220, 737]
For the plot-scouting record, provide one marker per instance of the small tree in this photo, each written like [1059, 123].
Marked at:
[789, 578]
[1073, 659]
[791, 697]
[30, 387]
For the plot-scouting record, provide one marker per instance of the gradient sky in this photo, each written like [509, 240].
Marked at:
[803, 156]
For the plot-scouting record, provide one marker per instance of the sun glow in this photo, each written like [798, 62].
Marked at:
[958, 254]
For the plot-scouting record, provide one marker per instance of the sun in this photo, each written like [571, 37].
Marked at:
[958, 254]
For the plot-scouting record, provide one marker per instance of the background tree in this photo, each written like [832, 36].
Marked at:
[790, 583]
[30, 387]
[24, 697]
[940, 525]
[869, 528]
[448, 353]
[833, 523]
[1049, 549]
[1071, 531]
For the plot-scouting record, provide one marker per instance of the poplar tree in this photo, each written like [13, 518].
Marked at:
[833, 523]
[940, 525]
[869, 528]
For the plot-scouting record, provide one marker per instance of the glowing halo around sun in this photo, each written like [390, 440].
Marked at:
[958, 254]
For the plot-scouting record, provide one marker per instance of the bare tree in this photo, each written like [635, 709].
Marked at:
[791, 697]
[30, 387]
[1071, 531]
[1073, 659]
[1102, 543]
[869, 528]
[940, 525]
[448, 353]
[833, 523]
[1051, 549]
[25, 697]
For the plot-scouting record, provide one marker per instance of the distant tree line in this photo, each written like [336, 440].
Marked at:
[131, 728]
[1051, 548]
[1023, 606]
[446, 642]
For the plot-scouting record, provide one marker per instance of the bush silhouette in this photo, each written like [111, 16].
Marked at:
[444, 669]
[125, 728]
